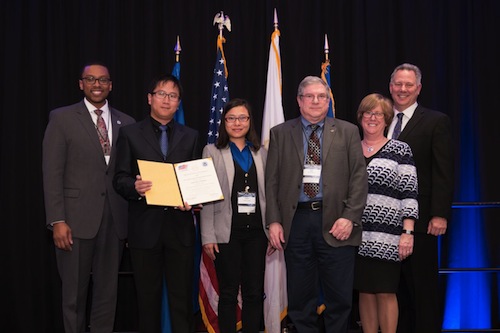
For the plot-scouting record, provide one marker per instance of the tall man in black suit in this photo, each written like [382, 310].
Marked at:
[318, 229]
[87, 216]
[161, 239]
[428, 133]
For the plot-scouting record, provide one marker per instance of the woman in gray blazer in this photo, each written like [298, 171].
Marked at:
[233, 230]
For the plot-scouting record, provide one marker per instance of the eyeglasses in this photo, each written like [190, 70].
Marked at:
[160, 94]
[369, 114]
[400, 85]
[91, 80]
[241, 119]
[311, 97]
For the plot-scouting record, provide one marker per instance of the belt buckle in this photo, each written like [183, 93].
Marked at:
[315, 205]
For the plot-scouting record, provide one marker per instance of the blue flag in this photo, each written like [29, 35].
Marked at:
[325, 75]
[166, 326]
[179, 115]
[220, 93]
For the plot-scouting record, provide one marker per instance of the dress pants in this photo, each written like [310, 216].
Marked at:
[241, 261]
[100, 255]
[168, 259]
[309, 259]
[420, 309]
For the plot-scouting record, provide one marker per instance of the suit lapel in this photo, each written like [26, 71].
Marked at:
[328, 135]
[259, 166]
[296, 135]
[229, 164]
[89, 127]
[150, 136]
[116, 124]
[176, 139]
[412, 123]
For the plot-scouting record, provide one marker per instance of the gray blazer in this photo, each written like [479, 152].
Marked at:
[76, 179]
[343, 174]
[216, 216]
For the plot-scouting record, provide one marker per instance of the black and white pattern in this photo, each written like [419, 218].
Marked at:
[392, 197]
[313, 157]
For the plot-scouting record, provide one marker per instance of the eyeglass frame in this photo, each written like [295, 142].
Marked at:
[232, 119]
[310, 97]
[161, 94]
[369, 114]
[91, 80]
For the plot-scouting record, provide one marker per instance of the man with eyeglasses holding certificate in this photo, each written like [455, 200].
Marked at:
[161, 239]
[316, 188]
[87, 217]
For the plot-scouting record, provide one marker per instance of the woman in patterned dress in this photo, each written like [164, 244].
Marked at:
[388, 218]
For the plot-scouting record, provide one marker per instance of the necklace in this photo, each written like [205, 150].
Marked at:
[369, 148]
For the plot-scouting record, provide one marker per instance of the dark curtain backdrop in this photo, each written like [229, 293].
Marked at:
[45, 43]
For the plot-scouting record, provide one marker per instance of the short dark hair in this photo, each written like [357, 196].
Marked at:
[164, 79]
[94, 63]
[223, 139]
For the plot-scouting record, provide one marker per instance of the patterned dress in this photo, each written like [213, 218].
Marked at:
[392, 197]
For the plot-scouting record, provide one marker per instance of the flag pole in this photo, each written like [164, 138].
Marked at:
[222, 21]
[325, 75]
[327, 49]
[275, 20]
[177, 49]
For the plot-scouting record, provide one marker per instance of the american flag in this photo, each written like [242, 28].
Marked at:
[209, 286]
[220, 93]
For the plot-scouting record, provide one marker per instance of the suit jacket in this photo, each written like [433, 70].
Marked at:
[428, 133]
[140, 142]
[216, 217]
[343, 174]
[76, 179]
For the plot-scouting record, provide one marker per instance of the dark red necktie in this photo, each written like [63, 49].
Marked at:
[102, 131]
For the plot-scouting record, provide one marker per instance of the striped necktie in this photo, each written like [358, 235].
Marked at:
[397, 128]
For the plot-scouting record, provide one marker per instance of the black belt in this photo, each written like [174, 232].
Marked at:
[311, 205]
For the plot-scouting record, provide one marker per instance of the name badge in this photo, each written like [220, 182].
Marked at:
[247, 202]
[312, 173]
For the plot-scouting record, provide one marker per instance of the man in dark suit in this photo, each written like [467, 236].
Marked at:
[428, 133]
[87, 216]
[161, 239]
[318, 229]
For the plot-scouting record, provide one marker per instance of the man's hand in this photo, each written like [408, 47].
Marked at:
[341, 229]
[437, 226]
[276, 236]
[61, 233]
[142, 186]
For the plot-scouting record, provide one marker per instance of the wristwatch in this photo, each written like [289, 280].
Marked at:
[408, 232]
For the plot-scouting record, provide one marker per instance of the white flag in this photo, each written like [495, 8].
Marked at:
[273, 107]
[276, 300]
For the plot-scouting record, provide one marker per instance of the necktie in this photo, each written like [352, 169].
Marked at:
[397, 128]
[102, 131]
[164, 140]
[313, 157]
